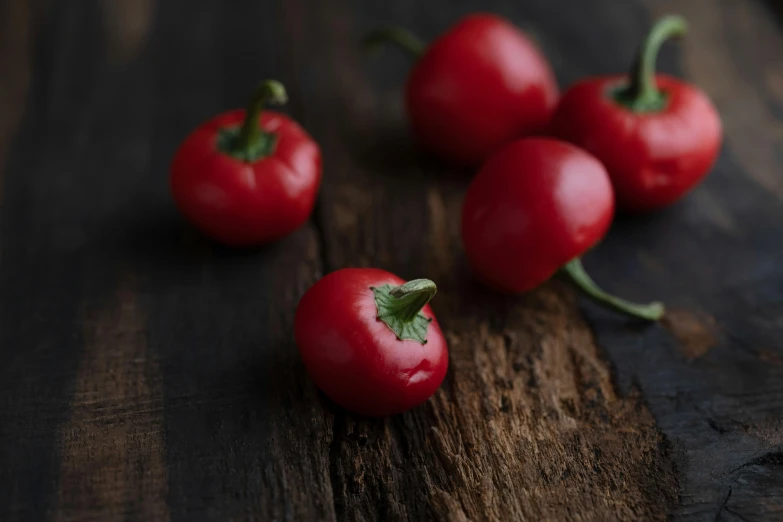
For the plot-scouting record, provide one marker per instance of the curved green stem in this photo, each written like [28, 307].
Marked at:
[395, 35]
[411, 297]
[269, 91]
[399, 307]
[250, 143]
[650, 312]
[642, 94]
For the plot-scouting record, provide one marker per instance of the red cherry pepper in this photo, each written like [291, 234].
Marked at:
[370, 341]
[480, 85]
[535, 207]
[246, 177]
[657, 135]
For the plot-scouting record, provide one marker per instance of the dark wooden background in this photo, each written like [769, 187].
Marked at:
[146, 374]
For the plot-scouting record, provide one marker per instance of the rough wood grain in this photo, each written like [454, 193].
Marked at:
[112, 448]
[232, 407]
[147, 374]
[528, 425]
[247, 438]
[720, 410]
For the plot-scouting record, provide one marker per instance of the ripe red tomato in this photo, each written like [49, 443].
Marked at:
[251, 192]
[344, 330]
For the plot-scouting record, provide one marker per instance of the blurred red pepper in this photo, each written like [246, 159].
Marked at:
[479, 86]
[534, 208]
[248, 177]
[656, 135]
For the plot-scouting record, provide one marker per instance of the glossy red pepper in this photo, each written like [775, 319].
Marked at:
[535, 207]
[480, 85]
[248, 177]
[657, 135]
[370, 341]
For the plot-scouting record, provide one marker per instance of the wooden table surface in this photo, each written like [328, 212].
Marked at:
[147, 374]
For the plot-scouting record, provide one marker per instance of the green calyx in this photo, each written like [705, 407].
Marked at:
[399, 307]
[641, 94]
[577, 273]
[249, 142]
[230, 142]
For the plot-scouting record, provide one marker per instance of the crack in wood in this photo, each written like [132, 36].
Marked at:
[723, 505]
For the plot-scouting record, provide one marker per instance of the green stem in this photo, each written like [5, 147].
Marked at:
[642, 94]
[250, 143]
[395, 35]
[650, 312]
[399, 307]
[411, 297]
[269, 91]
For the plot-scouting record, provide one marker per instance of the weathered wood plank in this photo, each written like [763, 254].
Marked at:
[246, 437]
[112, 464]
[147, 374]
[40, 275]
[717, 257]
[528, 416]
